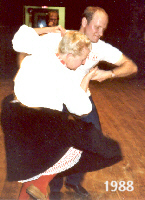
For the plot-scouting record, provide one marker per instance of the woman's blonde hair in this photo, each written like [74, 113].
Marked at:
[74, 42]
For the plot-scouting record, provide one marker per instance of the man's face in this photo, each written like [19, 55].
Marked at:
[95, 29]
[53, 21]
[73, 62]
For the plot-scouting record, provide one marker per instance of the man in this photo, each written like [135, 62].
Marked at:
[94, 22]
[53, 18]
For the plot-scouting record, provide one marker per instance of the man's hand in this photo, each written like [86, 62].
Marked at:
[102, 75]
[123, 68]
[50, 24]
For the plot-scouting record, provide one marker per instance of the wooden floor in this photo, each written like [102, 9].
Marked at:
[121, 107]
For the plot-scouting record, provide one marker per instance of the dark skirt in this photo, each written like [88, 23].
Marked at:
[36, 139]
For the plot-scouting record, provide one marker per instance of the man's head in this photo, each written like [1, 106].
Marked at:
[94, 22]
[74, 48]
[53, 18]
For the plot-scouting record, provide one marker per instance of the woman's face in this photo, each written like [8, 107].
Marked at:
[73, 62]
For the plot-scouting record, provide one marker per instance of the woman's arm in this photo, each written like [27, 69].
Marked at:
[86, 80]
[55, 29]
[27, 39]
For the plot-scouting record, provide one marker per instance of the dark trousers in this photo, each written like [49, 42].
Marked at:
[93, 116]
[75, 179]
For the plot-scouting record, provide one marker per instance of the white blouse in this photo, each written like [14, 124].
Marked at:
[43, 81]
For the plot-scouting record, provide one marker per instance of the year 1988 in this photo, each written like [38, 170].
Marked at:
[121, 186]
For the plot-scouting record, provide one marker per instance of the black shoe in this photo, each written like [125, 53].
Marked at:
[55, 196]
[78, 189]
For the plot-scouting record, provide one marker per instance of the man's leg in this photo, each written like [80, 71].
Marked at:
[56, 184]
[93, 116]
[73, 181]
[55, 187]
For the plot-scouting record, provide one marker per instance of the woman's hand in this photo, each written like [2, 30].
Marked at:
[86, 80]
[59, 28]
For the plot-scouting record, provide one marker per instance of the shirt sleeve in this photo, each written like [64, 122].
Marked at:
[109, 53]
[28, 41]
[24, 39]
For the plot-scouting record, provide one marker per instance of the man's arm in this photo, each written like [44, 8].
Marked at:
[124, 67]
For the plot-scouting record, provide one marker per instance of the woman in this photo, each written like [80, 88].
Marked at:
[38, 135]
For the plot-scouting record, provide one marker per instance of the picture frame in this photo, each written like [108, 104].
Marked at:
[34, 15]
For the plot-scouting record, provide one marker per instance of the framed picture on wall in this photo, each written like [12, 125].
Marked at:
[42, 16]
